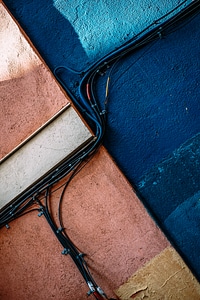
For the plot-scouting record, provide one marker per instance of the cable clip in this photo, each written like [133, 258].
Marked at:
[91, 287]
[101, 292]
[103, 112]
[65, 251]
[100, 72]
[107, 65]
[159, 33]
[40, 213]
[60, 229]
[80, 256]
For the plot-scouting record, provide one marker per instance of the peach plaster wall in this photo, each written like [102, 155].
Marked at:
[104, 219]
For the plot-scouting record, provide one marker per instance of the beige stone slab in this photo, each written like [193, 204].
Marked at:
[165, 277]
[41, 153]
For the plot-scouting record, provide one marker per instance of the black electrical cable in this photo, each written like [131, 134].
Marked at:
[69, 247]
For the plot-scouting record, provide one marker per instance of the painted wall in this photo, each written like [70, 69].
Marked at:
[67, 34]
[104, 219]
[98, 206]
[153, 124]
[113, 22]
[164, 277]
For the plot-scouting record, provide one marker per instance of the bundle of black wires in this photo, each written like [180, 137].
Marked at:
[37, 197]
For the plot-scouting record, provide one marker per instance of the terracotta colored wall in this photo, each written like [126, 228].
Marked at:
[105, 220]
[102, 214]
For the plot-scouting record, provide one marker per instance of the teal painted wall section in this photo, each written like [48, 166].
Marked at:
[153, 110]
[104, 25]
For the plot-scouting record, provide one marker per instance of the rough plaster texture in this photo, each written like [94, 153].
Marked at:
[16, 54]
[114, 22]
[184, 222]
[103, 217]
[105, 220]
[154, 101]
[176, 181]
[41, 153]
[76, 33]
[164, 277]
[143, 106]
[25, 84]
[17, 126]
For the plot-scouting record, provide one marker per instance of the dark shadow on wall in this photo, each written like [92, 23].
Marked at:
[50, 32]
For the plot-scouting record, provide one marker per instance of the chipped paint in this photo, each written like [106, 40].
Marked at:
[165, 277]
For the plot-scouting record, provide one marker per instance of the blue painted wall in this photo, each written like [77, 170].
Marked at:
[105, 25]
[153, 110]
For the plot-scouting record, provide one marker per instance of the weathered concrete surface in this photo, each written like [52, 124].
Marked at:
[17, 126]
[165, 277]
[104, 219]
[26, 84]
